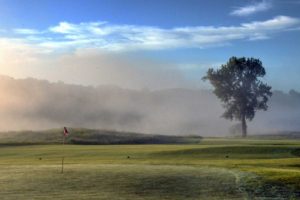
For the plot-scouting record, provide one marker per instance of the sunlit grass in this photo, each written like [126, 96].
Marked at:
[226, 169]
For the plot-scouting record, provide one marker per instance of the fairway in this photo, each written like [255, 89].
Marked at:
[212, 169]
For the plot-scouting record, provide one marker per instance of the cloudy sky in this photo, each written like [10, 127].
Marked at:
[147, 44]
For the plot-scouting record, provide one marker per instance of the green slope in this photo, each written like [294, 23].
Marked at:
[91, 136]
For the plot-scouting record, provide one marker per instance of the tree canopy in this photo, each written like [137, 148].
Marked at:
[239, 87]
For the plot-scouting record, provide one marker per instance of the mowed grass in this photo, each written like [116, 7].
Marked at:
[212, 169]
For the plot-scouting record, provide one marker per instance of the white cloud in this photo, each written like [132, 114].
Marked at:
[97, 53]
[253, 8]
[278, 23]
[26, 31]
[64, 27]
[69, 28]
[105, 36]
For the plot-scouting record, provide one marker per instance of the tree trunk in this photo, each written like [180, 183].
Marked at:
[244, 126]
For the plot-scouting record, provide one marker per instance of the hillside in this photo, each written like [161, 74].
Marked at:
[91, 137]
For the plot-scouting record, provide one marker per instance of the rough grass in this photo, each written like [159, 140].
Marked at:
[239, 152]
[91, 137]
[224, 169]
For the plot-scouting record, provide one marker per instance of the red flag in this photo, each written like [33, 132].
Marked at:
[66, 133]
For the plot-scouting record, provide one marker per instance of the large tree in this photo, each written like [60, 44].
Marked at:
[237, 84]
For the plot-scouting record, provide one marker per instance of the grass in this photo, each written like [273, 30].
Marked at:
[91, 137]
[213, 169]
[118, 182]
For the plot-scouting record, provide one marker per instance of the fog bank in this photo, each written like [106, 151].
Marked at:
[36, 104]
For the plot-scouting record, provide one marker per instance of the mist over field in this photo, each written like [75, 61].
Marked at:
[37, 104]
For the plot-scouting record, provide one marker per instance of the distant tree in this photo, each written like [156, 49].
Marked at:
[239, 88]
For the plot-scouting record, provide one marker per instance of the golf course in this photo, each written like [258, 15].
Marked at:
[149, 100]
[203, 168]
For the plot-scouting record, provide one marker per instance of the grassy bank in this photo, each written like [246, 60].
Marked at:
[84, 136]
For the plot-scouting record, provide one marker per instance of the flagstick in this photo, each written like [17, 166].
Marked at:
[63, 158]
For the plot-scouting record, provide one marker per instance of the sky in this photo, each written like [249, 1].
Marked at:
[147, 44]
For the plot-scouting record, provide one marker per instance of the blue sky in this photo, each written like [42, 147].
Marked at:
[155, 44]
